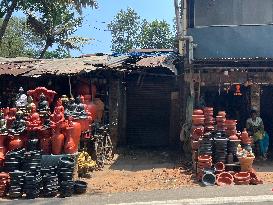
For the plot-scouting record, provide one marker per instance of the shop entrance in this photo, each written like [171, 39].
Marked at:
[267, 111]
[236, 106]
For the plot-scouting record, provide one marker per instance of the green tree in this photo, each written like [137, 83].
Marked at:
[18, 40]
[8, 7]
[156, 34]
[124, 29]
[129, 31]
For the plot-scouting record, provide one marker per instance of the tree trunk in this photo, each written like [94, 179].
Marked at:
[8, 15]
[47, 45]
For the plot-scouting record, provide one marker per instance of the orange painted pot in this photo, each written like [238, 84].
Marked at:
[57, 142]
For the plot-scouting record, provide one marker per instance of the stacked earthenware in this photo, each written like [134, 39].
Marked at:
[242, 178]
[32, 184]
[205, 147]
[231, 127]
[220, 120]
[16, 184]
[14, 159]
[32, 161]
[4, 183]
[50, 181]
[209, 119]
[220, 147]
[65, 174]
[232, 149]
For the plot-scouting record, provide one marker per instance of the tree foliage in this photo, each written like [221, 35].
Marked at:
[52, 21]
[156, 34]
[129, 31]
[124, 29]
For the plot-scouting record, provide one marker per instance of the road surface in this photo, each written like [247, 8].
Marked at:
[261, 194]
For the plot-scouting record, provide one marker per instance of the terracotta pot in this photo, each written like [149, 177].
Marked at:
[204, 158]
[70, 145]
[233, 137]
[76, 132]
[198, 112]
[197, 131]
[226, 175]
[194, 145]
[244, 134]
[242, 176]
[224, 181]
[15, 142]
[220, 166]
[46, 141]
[246, 163]
[84, 124]
[91, 107]
[57, 142]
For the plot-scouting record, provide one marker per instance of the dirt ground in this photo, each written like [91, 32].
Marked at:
[154, 170]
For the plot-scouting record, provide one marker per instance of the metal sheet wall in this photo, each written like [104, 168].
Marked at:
[148, 111]
[233, 42]
[233, 12]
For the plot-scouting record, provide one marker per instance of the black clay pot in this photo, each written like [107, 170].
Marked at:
[80, 187]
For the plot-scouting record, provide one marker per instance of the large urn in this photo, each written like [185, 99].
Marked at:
[57, 141]
[46, 140]
[15, 142]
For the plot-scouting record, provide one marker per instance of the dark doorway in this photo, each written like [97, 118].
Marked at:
[148, 110]
[237, 107]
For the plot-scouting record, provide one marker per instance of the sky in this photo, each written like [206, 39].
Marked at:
[95, 20]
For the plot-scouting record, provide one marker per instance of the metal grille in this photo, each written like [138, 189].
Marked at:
[148, 111]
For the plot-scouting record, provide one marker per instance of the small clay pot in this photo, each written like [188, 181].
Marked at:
[198, 112]
[219, 166]
[224, 181]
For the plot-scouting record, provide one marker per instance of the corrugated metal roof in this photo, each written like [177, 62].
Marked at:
[72, 66]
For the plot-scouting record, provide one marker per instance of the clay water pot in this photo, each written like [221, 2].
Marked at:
[15, 142]
[57, 142]
[84, 124]
[70, 145]
[46, 141]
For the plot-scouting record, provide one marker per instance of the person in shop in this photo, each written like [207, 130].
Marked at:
[255, 127]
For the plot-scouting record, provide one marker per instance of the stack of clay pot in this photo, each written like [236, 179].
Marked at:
[4, 181]
[220, 147]
[197, 132]
[204, 162]
[209, 119]
[245, 139]
[242, 178]
[205, 144]
[233, 143]
[220, 120]
[231, 127]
